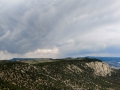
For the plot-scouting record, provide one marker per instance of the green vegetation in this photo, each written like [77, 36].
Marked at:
[56, 75]
[8, 86]
[36, 61]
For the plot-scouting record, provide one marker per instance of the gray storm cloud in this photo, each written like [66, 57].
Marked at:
[71, 27]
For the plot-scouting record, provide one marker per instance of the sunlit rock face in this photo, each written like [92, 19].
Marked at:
[100, 68]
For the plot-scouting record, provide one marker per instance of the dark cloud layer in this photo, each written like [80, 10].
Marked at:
[58, 28]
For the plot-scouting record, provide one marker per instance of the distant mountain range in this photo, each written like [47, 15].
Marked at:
[112, 61]
[16, 59]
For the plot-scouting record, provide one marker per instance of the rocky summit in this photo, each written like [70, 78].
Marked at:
[59, 74]
[100, 68]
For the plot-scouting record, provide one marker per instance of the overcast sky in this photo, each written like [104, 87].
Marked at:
[59, 28]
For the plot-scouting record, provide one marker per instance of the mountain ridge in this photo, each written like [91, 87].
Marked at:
[60, 75]
[112, 61]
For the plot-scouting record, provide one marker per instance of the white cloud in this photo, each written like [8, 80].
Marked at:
[5, 55]
[50, 53]
[39, 53]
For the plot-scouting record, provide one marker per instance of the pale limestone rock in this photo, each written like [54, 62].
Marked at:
[100, 68]
[74, 68]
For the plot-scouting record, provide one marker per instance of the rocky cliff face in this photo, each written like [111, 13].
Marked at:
[100, 68]
[85, 74]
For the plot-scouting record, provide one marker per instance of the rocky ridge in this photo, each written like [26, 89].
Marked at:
[100, 68]
[85, 74]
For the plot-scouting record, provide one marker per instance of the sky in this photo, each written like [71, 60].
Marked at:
[59, 28]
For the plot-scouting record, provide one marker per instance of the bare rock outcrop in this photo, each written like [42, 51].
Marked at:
[100, 68]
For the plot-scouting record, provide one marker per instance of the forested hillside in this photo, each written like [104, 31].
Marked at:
[85, 74]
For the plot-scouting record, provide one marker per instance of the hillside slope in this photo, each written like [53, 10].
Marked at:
[85, 74]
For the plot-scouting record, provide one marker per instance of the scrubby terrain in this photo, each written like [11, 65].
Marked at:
[75, 74]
